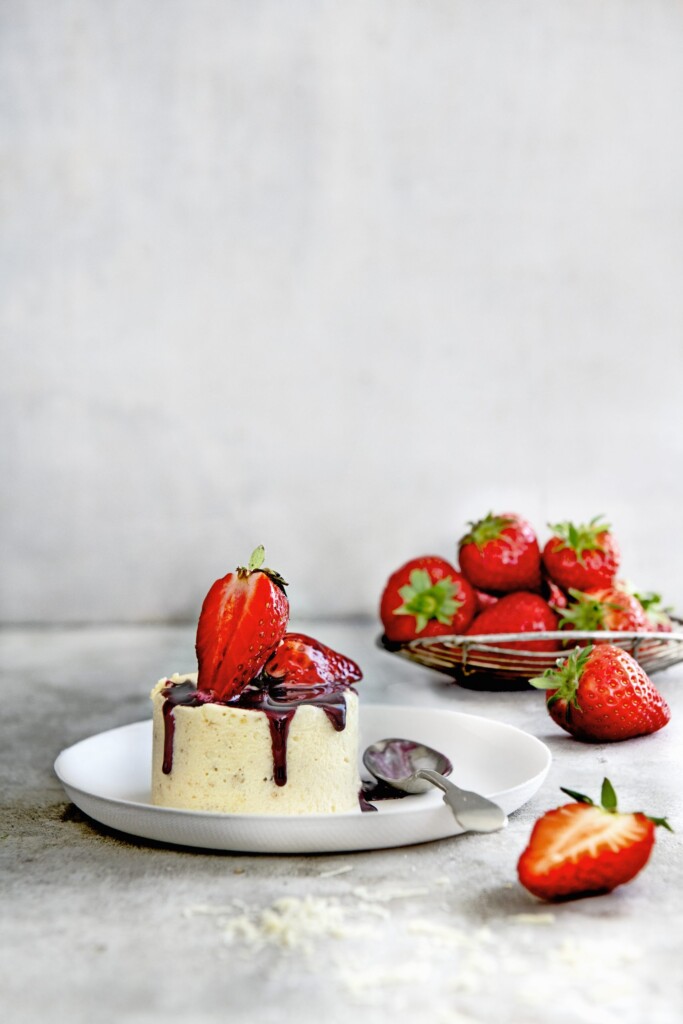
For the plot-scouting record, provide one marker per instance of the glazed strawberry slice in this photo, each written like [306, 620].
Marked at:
[581, 556]
[580, 849]
[602, 695]
[299, 660]
[500, 553]
[244, 617]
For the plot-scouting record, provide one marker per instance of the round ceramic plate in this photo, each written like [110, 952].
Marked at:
[108, 778]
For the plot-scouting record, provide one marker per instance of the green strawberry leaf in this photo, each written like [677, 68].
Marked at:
[580, 798]
[487, 529]
[257, 558]
[659, 821]
[565, 678]
[427, 600]
[608, 797]
[580, 538]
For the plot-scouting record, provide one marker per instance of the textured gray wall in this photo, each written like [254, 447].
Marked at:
[336, 277]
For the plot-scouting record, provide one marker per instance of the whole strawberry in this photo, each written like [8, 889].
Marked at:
[580, 849]
[299, 660]
[602, 695]
[243, 618]
[501, 553]
[426, 597]
[657, 616]
[581, 556]
[518, 613]
[610, 608]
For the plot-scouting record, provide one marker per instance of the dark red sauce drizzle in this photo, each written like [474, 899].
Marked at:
[277, 701]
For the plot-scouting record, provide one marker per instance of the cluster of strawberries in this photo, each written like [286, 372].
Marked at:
[506, 585]
[599, 693]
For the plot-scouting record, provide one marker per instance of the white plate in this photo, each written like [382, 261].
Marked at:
[108, 777]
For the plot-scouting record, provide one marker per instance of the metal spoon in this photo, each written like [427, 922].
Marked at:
[413, 767]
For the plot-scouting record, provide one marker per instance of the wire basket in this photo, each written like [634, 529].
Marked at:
[480, 663]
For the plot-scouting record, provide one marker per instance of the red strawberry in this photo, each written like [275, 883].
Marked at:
[581, 556]
[243, 618]
[599, 608]
[485, 600]
[518, 613]
[580, 849]
[553, 594]
[501, 553]
[426, 597]
[656, 615]
[601, 695]
[299, 660]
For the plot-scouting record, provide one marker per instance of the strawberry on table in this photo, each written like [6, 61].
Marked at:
[581, 556]
[501, 553]
[426, 597]
[598, 608]
[243, 618]
[299, 660]
[602, 695]
[520, 612]
[581, 849]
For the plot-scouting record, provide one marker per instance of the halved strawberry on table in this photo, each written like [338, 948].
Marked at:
[581, 556]
[426, 597]
[299, 660]
[581, 849]
[500, 553]
[520, 612]
[243, 618]
[600, 694]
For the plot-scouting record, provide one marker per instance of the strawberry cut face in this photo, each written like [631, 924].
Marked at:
[580, 850]
[243, 618]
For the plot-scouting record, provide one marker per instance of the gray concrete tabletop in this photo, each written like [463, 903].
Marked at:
[100, 926]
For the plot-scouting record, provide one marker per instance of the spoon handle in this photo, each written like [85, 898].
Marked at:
[473, 812]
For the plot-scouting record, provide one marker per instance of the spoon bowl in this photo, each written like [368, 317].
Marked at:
[413, 767]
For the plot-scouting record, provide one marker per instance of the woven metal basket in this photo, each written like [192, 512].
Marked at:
[480, 663]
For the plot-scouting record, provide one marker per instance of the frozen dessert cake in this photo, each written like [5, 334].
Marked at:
[269, 724]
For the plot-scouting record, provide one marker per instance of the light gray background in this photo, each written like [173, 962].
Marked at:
[336, 277]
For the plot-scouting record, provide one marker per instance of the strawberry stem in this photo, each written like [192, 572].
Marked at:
[427, 600]
[587, 612]
[255, 564]
[257, 558]
[489, 528]
[565, 678]
[608, 801]
[583, 537]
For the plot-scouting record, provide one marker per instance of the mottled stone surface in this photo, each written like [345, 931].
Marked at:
[100, 926]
